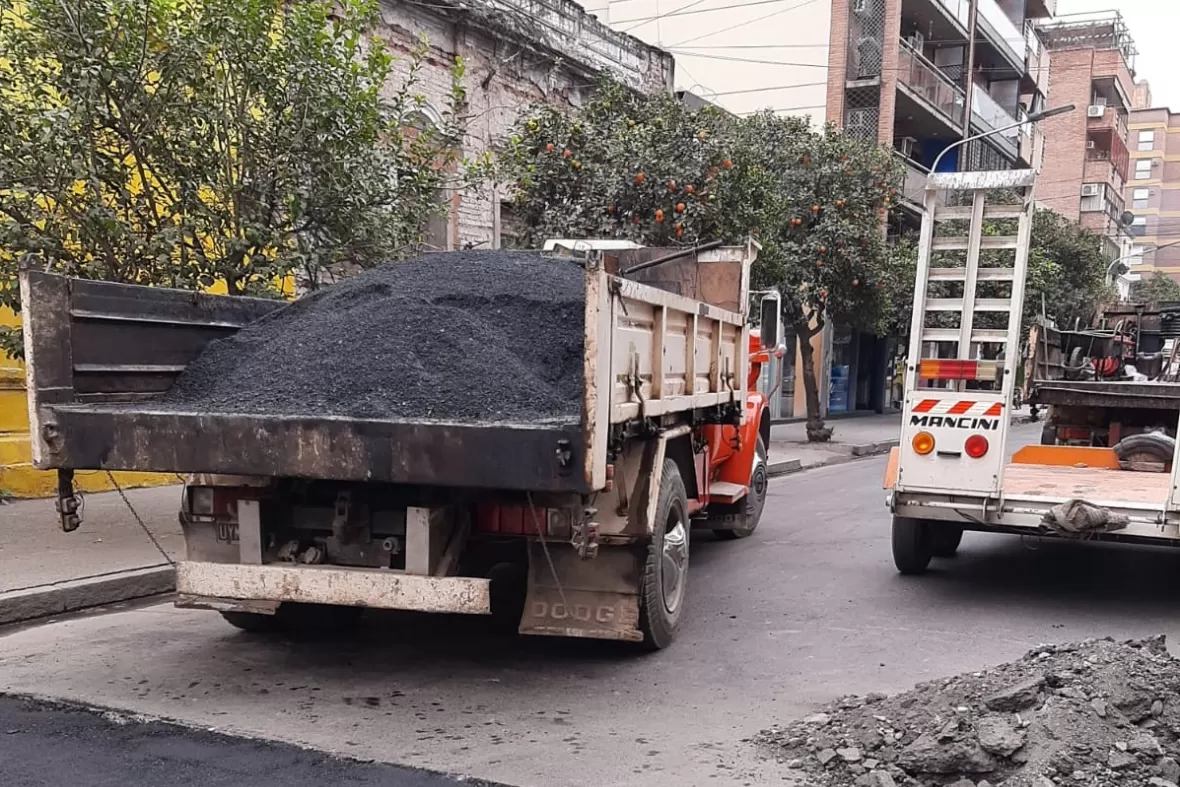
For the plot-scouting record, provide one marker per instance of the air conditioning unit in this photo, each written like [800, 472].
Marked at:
[1091, 189]
[1091, 144]
[907, 146]
[1095, 111]
[860, 6]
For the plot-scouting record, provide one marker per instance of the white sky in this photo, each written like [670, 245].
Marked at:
[1154, 25]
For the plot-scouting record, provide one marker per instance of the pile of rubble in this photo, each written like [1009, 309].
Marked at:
[1092, 714]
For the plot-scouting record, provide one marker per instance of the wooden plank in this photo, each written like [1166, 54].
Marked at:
[630, 290]
[1095, 485]
[48, 338]
[337, 585]
[596, 375]
[987, 242]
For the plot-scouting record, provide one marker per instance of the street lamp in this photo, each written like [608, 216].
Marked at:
[1035, 117]
[1110, 268]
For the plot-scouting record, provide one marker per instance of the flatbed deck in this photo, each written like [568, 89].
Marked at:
[1030, 491]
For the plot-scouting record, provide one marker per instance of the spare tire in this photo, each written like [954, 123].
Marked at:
[1149, 451]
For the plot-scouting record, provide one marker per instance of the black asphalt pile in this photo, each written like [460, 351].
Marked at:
[460, 336]
[1097, 714]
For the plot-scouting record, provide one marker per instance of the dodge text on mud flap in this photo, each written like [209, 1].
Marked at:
[956, 422]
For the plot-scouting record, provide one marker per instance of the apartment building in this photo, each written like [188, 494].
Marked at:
[1153, 191]
[1085, 178]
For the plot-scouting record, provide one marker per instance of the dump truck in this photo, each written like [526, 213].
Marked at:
[951, 471]
[291, 517]
[1113, 384]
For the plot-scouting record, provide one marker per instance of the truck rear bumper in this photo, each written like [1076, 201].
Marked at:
[354, 587]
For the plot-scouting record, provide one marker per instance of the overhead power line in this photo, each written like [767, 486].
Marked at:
[745, 24]
[684, 11]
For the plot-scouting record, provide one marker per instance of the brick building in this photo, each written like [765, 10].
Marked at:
[1093, 57]
[517, 53]
[1153, 191]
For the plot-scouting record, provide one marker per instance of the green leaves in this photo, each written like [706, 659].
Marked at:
[1158, 288]
[647, 168]
[240, 141]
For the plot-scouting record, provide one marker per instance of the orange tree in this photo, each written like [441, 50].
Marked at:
[649, 169]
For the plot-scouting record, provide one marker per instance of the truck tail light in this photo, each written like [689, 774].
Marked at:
[511, 519]
[976, 446]
[217, 501]
[923, 443]
[950, 369]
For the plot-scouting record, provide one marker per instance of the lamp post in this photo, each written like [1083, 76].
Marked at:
[1110, 268]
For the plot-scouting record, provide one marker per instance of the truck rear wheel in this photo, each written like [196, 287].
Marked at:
[665, 573]
[755, 499]
[945, 540]
[254, 622]
[912, 547]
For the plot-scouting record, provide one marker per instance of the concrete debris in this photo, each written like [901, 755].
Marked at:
[458, 336]
[1095, 714]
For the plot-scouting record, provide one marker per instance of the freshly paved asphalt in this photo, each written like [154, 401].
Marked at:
[806, 610]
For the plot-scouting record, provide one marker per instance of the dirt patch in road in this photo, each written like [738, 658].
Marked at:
[1095, 714]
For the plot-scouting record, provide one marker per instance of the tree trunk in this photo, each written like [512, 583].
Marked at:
[816, 431]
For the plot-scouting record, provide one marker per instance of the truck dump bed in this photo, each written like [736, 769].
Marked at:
[101, 356]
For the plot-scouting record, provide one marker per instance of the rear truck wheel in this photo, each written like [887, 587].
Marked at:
[944, 539]
[912, 547]
[665, 573]
[253, 622]
[1149, 451]
[755, 498]
[317, 621]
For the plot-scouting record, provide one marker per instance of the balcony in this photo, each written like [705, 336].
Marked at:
[925, 83]
[1110, 120]
[960, 10]
[1002, 32]
[990, 116]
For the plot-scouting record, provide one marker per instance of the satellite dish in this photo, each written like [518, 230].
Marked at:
[1127, 218]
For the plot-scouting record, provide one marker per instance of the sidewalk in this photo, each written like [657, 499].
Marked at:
[44, 571]
[851, 437]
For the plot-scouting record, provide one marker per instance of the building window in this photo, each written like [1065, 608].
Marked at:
[1136, 255]
[1147, 140]
[1143, 169]
[1140, 198]
[1139, 226]
[1092, 197]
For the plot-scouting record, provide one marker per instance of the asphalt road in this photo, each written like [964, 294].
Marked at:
[808, 609]
[44, 744]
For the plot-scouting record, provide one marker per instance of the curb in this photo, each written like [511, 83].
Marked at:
[789, 466]
[44, 600]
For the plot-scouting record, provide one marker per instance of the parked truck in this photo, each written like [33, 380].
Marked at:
[951, 471]
[1113, 384]
[284, 516]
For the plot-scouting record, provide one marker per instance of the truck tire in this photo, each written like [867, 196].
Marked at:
[665, 572]
[755, 498]
[1148, 447]
[945, 540]
[912, 547]
[317, 621]
[253, 622]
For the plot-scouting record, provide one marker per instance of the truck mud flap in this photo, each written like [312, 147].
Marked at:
[597, 598]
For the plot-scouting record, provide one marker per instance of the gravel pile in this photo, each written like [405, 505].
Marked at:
[461, 336]
[1097, 713]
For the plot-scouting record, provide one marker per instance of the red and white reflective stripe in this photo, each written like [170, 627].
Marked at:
[962, 407]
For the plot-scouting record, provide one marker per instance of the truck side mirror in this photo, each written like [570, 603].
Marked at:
[769, 323]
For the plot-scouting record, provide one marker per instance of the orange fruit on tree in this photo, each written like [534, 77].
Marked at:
[815, 208]
[823, 249]
[671, 185]
[659, 216]
[689, 189]
[567, 153]
[549, 147]
[680, 206]
[855, 282]
[639, 179]
[679, 230]
[727, 164]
